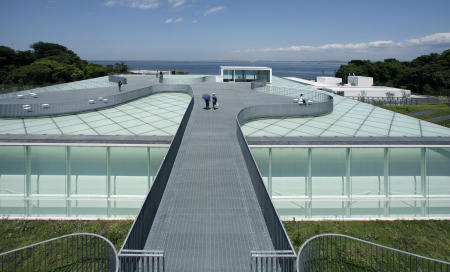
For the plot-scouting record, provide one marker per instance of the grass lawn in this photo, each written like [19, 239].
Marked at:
[441, 110]
[428, 238]
[19, 233]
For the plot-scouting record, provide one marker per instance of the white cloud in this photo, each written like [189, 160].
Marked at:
[141, 4]
[213, 10]
[433, 40]
[194, 21]
[177, 3]
[171, 20]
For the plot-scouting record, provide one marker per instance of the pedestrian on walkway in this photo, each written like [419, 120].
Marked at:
[120, 85]
[207, 98]
[214, 100]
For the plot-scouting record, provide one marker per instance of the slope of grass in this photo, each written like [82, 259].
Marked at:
[430, 238]
[19, 233]
[441, 110]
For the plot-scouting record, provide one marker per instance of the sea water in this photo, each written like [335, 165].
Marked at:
[302, 69]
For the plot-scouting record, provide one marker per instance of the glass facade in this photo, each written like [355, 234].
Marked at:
[246, 75]
[356, 182]
[76, 181]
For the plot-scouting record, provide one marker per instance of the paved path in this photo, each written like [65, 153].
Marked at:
[209, 218]
[421, 113]
[440, 118]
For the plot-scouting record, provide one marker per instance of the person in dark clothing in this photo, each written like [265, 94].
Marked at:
[120, 85]
[214, 101]
[160, 77]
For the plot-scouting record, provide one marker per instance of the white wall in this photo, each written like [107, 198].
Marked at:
[329, 81]
[360, 81]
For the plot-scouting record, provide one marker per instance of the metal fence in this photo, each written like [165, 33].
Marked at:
[84, 103]
[137, 236]
[337, 252]
[398, 100]
[188, 80]
[272, 261]
[309, 94]
[258, 84]
[142, 260]
[73, 252]
[277, 232]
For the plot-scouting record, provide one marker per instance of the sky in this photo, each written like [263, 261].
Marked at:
[230, 29]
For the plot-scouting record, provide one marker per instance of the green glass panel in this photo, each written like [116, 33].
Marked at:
[367, 171]
[290, 208]
[438, 171]
[129, 170]
[328, 171]
[438, 208]
[405, 208]
[157, 155]
[261, 156]
[88, 168]
[328, 209]
[89, 208]
[367, 209]
[12, 170]
[48, 165]
[12, 207]
[289, 171]
[404, 171]
[125, 208]
[48, 208]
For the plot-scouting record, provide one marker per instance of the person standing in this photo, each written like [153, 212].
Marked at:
[120, 85]
[214, 101]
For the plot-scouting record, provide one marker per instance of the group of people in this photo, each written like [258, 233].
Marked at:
[207, 99]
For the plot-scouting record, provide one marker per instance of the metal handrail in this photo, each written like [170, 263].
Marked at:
[137, 235]
[309, 94]
[272, 260]
[142, 260]
[16, 110]
[339, 252]
[76, 251]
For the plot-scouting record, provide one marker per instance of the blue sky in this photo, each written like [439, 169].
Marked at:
[230, 29]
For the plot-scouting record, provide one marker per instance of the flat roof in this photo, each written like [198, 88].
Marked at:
[244, 68]
[349, 118]
[160, 115]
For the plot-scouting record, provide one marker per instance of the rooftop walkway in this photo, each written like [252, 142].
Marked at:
[209, 218]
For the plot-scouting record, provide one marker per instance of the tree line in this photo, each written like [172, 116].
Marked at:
[48, 63]
[427, 74]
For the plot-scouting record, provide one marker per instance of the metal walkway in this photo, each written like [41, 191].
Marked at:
[209, 218]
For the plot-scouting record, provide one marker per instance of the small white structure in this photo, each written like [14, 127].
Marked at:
[371, 91]
[360, 81]
[245, 74]
[329, 81]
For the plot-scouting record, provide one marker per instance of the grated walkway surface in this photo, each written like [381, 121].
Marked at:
[209, 218]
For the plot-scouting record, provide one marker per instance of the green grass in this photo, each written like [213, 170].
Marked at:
[19, 233]
[430, 238]
[441, 110]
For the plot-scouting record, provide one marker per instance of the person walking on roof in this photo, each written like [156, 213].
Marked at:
[120, 85]
[214, 101]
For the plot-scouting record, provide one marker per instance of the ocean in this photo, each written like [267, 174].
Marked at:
[302, 69]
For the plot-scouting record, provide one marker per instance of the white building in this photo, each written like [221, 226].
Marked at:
[329, 81]
[360, 81]
[245, 74]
